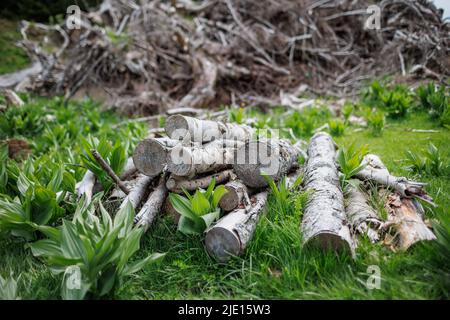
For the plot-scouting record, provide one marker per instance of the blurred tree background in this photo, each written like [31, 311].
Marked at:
[40, 10]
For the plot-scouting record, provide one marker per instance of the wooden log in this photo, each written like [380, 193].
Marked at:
[178, 126]
[273, 157]
[138, 191]
[128, 170]
[153, 205]
[177, 184]
[190, 161]
[86, 186]
[377, 172]
[12, 99]
[237, 192]
[406, 218]
[232, 233]
[151, 154]
[324, 220]
[362, 217]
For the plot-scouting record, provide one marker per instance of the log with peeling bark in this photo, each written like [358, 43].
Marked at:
[150, 155]
[178, 126]
[406, 219]
[86, 185]
[232, 233]
[190, 161]
[324, 221]
[361, 216]
[138, 191]
[237, 192]
[377, 172]
[177, 184]
[272, 157]
[152, 206]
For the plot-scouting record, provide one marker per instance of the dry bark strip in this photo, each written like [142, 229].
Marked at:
[232, 233]
[273, 157]
[324, 220]
[178, 127]
[406, 219]
[177, 184]
[377, 172]
[190, 161]
[138, 191]
[152, 206]
[362, 217]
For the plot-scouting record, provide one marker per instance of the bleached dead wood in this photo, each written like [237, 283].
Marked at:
[406, 219]
[12, 99]
[150, 155]
[232, 233]
[324, 220]
[237, 192]
[377, 172]
[361, 216]
[177, 184]
[86, 186]
[273, 157]
[138, 191]
[178, 127]
[191, 161]
[152, 206]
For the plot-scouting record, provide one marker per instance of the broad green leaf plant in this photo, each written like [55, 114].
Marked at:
[350, 162]
[198, 211]
[93, 252]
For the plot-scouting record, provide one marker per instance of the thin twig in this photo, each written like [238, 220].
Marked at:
[105, 166]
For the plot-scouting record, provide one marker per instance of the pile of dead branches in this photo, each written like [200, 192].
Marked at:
[195, 152]
[149, 56]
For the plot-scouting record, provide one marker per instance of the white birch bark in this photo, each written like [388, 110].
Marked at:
[273, 157]
[377, 172]
[86, 186]
[138, 191]
[177, 184]
[178, 126]
[324, 220]
[232, 233]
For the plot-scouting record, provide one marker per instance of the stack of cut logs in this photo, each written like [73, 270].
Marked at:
[196, 151]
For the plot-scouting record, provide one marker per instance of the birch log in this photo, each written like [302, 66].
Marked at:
[273, 157]
[232, 233]
[179, 126]
[361, 216]
[377, 172]
[177, 184]
[138, 191]
[86, 186]
[150, 155]
[237, 192]
[405, 217]
[152, 206]
[191, 161]
[324, 220]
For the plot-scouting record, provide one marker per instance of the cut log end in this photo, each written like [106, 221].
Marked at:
[174, 123]
[222, 243]
[150, 165]
[230, 200]
[329, 241]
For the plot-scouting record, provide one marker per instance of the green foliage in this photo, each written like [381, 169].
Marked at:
[376, 121]
[281, 193]
[429, 164]
[347, 111]
[12, 57]
[115, 155]
[336, 127]
[199, 211]
[99, 249]
[8, 288]
[237, 115]
[435, 101]
[25, 121]
[395, 102]
[35, 197]
[350, 162]
[303, 123]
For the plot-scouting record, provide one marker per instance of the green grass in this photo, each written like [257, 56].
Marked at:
[12, 58]
[274, 266]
